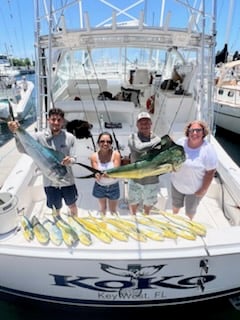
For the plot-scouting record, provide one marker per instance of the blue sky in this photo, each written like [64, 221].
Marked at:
[17, 22]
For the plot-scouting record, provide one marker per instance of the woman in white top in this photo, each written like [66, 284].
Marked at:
[106, 189]
[190, 183]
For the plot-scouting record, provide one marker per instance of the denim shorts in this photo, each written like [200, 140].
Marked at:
[55, 196]
[111, 191]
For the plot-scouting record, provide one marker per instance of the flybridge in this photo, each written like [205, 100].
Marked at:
[133, 31]
[125, 36]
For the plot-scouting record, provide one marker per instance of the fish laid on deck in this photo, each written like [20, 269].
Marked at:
[40, 232]
[54, 232]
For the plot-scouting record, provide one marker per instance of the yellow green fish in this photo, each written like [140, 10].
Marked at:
[129, 228]
[40, 231]
[195, 227]
[165, 157]
[54, 232]
[114, 231]
[70, 237]
[83, 235]
[27, 228]
[94, 229]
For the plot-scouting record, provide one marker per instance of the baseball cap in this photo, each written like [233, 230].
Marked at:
[143, 115]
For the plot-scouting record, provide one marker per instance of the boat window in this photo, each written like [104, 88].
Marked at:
[220, 91]
[230, 94]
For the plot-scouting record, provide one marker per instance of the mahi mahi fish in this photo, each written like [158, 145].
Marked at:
[40, 232]
[165, 157]
[27, 228]
[48, 160]
[54, 232]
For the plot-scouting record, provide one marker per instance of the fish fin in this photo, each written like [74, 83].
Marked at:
[89, 168]
[92, 175]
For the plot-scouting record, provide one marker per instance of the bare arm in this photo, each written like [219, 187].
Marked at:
[93, 160]
[116, 159]
[94, 164]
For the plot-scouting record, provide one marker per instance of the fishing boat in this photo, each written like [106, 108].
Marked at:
[120, 260]
[227, 96]
[6, 67]
[17, 93]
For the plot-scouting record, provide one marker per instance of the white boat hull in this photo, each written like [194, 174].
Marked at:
[68, 278]
[227, 117]
[227, 97]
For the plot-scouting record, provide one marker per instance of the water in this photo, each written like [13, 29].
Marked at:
[219, 310]
[230, 142]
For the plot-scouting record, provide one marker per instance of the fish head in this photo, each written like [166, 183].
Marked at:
[178, 157]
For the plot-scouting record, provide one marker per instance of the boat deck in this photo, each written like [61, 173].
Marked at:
[214, 219]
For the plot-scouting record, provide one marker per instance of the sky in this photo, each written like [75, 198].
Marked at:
[17, 21]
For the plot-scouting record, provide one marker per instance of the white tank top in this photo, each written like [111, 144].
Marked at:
[103, 167]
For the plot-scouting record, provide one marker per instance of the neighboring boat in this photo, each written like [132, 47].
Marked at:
[18, 93]
[120, 261]
[6, 68]
[227, 97]
[26, 70]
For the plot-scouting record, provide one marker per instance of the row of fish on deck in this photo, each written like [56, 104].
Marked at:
[73, 230]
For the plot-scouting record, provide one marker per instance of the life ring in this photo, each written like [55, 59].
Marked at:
[150, 104]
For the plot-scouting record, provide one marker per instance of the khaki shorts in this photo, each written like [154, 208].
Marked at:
[191, 201]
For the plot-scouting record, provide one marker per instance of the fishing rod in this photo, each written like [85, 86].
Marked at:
[104, 104]
[84, 109]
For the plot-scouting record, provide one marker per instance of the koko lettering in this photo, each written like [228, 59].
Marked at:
[92, 283]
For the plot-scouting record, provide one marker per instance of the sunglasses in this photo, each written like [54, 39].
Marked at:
[105, 141]
[195, 130]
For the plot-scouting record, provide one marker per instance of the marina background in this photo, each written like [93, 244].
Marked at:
[229, 141]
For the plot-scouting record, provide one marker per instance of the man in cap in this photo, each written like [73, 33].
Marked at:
[142, 191]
